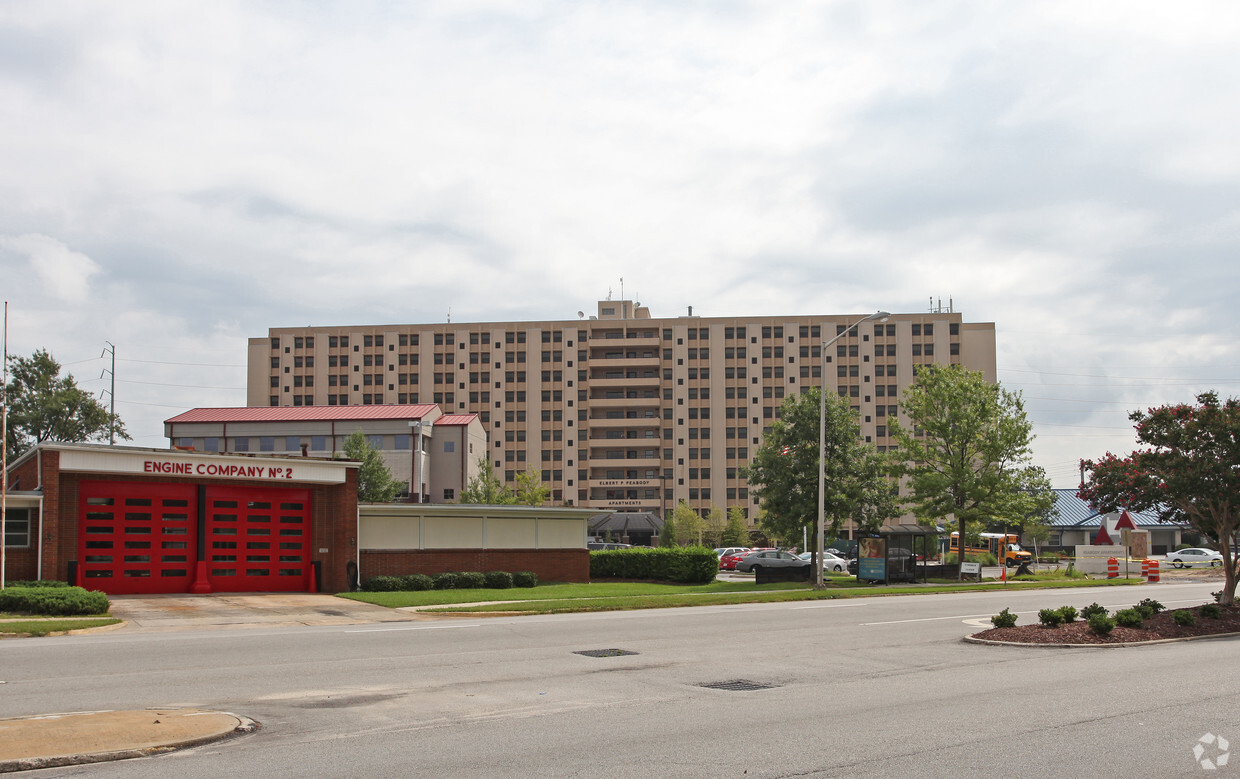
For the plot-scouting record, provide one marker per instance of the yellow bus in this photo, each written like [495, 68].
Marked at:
[1004, 546]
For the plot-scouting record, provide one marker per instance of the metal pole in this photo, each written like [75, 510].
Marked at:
[4, 449]
[819, 543]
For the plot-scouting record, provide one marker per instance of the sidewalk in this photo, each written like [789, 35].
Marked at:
[49, 740]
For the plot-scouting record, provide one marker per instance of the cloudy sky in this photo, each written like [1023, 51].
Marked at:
[178, 177]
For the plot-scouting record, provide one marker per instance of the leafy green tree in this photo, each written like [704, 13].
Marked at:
[736, 532]
[968, 451]
[375, 483]
[45, 406]
[716, 522]
[784, 471]
[668, 536]
[689, 526]
[486, 488]
[531, 491]
[1187, 472]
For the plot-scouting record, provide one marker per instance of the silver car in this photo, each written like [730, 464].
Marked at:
[1196, 556]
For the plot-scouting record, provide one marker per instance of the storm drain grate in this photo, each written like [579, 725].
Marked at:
[605, 652]
[738, 685]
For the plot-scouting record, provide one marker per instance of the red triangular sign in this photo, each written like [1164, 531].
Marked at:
[1125, 521]
[1103, 536]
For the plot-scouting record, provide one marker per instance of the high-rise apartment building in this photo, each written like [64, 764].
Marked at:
[620, 410]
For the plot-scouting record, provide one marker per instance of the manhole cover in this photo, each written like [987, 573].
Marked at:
[739, 685]
[605, 652]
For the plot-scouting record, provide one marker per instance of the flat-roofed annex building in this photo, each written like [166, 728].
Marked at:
[450, 444]
[619, 411]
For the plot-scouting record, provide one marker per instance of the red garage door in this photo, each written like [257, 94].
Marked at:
[136, 537]
[257, 539]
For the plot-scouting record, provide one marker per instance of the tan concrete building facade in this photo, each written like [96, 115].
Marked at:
[620, 411]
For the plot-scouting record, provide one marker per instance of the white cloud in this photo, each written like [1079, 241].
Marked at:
[65, 273]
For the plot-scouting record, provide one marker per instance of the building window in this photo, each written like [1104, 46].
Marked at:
[449, 493]
[241, 444]
[375, 441]
[318, 443]
[210, 444]
[292, 443]
[267, 444]
[17, 527]
[449, 447]
[401, 442]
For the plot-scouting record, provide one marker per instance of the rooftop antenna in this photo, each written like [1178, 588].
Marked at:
[581, 315]
[449, 314]
[622, 288]
[110, 349]
[609, 292]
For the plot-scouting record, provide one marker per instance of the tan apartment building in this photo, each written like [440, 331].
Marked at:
[620, 411]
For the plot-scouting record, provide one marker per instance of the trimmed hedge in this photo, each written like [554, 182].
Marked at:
[53, 601]
[687, 565]
[39, 583]
[450, 580]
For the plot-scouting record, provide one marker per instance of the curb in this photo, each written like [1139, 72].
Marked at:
[244, 726]
[1120, 645]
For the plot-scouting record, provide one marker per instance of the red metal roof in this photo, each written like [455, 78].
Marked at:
[455, 419]
[304, 413]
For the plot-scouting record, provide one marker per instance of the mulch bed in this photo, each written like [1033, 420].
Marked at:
[1160, 626]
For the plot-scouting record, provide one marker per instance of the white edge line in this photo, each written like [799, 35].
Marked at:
[418, 627]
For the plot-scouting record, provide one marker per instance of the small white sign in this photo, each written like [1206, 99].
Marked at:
[971, 568]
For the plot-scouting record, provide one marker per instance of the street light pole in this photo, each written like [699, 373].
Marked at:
[822, 442]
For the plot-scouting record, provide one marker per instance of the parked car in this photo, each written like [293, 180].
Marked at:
[595, 546]
[1195, 556]
[830, 562]
[770, 558]
[728, 561]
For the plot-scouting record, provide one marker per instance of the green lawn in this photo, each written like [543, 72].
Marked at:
[619, 596]
[41, 626]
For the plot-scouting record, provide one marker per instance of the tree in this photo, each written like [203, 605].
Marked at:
[1187, 473]
[689, 526]
[715, 524]
[375, 483]
[736, 532]
[668, 536]
[531, 491]
[967, 454]
[44, 406]
[486, 488]
[784, 471]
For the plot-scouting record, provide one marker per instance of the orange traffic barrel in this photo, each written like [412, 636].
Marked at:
[1153, 574]
[1112, 568]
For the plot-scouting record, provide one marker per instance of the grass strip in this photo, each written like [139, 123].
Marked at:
[41, 627]
[556, 592]
[683, 599]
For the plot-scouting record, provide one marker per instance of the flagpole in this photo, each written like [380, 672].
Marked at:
[4, 448]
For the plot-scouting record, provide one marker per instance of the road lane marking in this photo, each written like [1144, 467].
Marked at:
[827, 606]
[417, 627]
[925, 619]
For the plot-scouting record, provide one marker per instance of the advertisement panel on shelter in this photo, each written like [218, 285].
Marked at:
[872, 559]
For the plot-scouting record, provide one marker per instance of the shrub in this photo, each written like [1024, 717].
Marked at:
[1101, 624]
[1068, 614]
[1129, 618]
[1091, 610]
[416, 582]
[1050, 617]
[1004, 619]
[471, 580]
[444, 581]
[1212, 611]
[985, 559]
[525, 579]
[1149, 607]
[382, 584]
[1184, 617]
[498, 580]
[689, 564]
[53, 601]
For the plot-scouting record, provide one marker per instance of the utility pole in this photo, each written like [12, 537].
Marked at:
[4, 446]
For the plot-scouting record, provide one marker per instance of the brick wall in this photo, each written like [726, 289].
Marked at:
[551, 565]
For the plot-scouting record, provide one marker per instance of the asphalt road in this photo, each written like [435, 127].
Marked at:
[867, 687]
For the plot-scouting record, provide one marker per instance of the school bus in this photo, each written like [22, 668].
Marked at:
[1004, 546]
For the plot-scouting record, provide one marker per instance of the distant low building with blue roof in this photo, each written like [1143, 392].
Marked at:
[1078, 523]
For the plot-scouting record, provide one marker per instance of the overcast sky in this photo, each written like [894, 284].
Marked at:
[178, 177]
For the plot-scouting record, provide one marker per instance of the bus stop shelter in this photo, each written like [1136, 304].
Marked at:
[897, 553]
